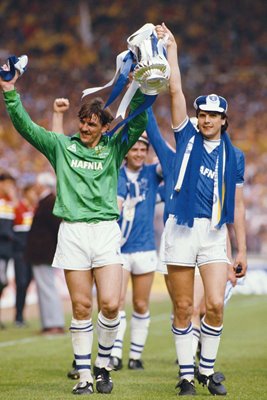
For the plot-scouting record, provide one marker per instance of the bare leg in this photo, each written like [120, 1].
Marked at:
[214, 278]
[182, 287]
[140, 320]
[80, 285]
[116, 353]
[109, 285]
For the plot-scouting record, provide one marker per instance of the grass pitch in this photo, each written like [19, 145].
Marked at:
[33, 367]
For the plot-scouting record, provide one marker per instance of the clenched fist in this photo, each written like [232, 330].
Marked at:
[61, 105]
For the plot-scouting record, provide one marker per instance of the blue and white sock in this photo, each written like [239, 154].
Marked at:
[107, 330]
[117, 348]
[139, 331]
[195, 341]
[210, 340]
[82, 341]
[183, 344]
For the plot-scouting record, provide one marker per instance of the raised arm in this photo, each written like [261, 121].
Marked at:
[178, 103]
[60, 106]
[38, 136]
[162, 149]
[135, 127]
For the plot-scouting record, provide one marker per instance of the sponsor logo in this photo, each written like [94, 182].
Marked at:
[207, 172]
[93, 165]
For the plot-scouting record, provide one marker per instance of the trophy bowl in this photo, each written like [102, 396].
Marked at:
[151, 78]
[152, 71]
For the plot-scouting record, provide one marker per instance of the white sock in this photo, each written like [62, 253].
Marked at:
[210, 340]
[106, 333]
[139, 331]
[195, 341]
[117, 348]
[82, 340]
[183, 344]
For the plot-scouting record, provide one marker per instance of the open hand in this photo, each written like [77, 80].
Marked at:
[165, 34]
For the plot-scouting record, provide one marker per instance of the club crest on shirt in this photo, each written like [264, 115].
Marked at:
[72, 148]
[101, 151]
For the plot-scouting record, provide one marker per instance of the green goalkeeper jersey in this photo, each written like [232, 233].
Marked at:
[86, 177]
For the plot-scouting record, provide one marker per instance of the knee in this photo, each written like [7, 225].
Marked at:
[110, 308]
[183, 310]
[140, 306]
[214, 313]
[82, 309]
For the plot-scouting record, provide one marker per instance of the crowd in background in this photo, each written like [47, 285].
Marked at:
[74, 46]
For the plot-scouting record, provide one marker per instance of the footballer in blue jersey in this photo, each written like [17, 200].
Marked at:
[137, 218]
[205, 183]
[137, 194]
[166, 156]
[206, 195]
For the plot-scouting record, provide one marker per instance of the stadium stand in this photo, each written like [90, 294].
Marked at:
[74, 46]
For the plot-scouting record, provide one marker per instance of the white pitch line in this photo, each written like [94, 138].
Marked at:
[19, 341]
[29, 340]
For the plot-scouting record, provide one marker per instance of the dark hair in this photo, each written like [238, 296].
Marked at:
[96, 107]
[6, 176]
[223, 116]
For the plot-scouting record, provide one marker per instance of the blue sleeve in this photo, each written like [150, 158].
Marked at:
[161, 193]
[184, 133]
[240, 162]
[164, 153]
[122, 186]
[158, 177]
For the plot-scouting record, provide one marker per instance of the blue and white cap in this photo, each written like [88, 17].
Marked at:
[211, 102]
[143, 138]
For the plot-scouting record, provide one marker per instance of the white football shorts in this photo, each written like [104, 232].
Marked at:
[198, 245]
[82, 246]
[140, 262]
[161, 266]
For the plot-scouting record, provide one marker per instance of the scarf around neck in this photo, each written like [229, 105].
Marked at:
[188, 165]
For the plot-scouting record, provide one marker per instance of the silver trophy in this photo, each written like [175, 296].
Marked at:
[152, 71]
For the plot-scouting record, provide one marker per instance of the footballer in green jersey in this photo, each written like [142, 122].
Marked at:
[86, 164]
[88, 249]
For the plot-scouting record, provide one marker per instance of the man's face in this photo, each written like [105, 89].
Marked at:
[91, 130]
[136, 156]
[209, 124]
[31, 195]
[7, 188]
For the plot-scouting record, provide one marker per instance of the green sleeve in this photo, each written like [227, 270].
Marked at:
[135, 127]
[43, 140]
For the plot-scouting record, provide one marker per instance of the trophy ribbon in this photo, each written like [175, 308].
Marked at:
[150, 74]
[124, 62]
